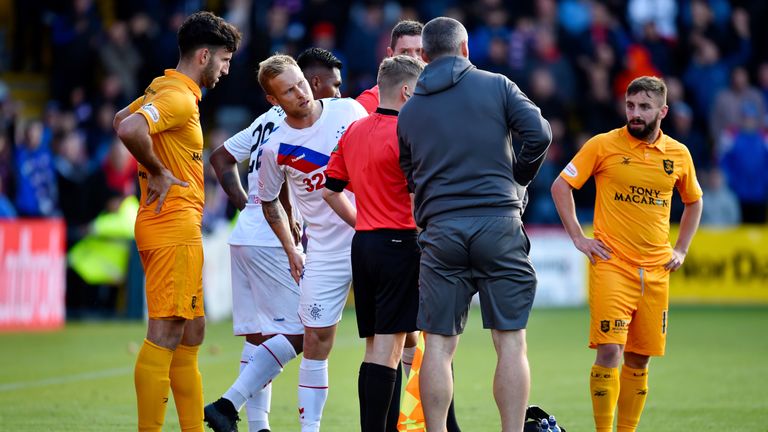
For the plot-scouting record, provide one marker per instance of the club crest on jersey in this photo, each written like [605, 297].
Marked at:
[669, 166]
[301, 158]
[605, 325]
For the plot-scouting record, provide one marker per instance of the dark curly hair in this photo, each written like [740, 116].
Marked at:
[206, 29]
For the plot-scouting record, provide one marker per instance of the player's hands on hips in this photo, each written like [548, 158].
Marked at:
[296, 260]
[593, 248]
[677, 260]
[158, 186]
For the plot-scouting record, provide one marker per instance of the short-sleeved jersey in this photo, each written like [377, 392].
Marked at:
[368, 155]
[251, 228]
[170, 107]
[369, 99]
[634, 182]
[300, 156]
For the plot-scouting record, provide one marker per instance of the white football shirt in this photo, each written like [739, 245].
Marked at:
[251, 228]
[300, 156]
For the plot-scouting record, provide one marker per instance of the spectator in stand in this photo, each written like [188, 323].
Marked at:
[722, 209]
[362, 40]
[7, 211]
[74, 35]
[659, 48]
[660, 14]
[709, 71]
[762, 82]
[119, 169]
[36, 194]
[6, 166]
[727, 112]
[81, 187]
[682, 129]
[120, 57]
[521, 39]
[601, 109]
[548, 55]
[99, 137]
[744, 161]
[637, 62]
[498, 58]
[494, 26]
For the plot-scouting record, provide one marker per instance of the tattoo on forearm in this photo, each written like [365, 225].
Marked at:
[274, 213]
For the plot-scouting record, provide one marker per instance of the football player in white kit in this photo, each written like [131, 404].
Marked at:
[265, 296]
[298, 153]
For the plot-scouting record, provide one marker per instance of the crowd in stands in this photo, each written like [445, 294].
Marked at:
[573, 58]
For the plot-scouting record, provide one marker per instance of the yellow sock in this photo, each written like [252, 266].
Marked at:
[187, 386]
[152, 383]
[634, 389]
[604, 387]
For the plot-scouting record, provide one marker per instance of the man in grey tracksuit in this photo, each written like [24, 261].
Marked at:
[469, 187]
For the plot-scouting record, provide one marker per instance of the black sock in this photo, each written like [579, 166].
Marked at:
[361, 377]
[394, 406]
[379, 385]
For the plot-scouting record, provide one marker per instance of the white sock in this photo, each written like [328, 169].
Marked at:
[265, 364]
[407, 358]
[313, 392]
[257, 406]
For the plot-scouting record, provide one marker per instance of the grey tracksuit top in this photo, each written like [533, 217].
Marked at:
[455, 137]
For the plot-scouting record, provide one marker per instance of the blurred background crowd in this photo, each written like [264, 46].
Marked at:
[67, 66]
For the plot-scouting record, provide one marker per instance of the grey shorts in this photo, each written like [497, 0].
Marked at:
[463, 255]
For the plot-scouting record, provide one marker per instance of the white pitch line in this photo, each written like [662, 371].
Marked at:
[88, 376]
[23, 385]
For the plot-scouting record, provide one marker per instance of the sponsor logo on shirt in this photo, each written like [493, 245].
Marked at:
[152, 111]
[642, 195]
[617, 326]
[570, 170]
[301, 158]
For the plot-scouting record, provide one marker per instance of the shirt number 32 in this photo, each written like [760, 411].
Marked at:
[315, 182]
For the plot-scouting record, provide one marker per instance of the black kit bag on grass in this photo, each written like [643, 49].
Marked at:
[533, 416]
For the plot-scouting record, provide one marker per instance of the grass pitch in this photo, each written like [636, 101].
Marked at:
[713, 377]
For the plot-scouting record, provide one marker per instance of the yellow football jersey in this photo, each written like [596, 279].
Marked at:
[170, 106]
[634, 182]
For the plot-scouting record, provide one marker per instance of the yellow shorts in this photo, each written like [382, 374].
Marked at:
[628, 306]
[174, 284]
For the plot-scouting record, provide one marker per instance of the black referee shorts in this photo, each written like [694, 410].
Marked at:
[385, 276]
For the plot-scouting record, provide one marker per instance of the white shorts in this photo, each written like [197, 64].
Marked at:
[264, 295]
[324, 288]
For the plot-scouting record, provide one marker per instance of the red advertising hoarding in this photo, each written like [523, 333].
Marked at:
[32, 274]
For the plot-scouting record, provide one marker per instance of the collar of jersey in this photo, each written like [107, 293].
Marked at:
[173, 73]
[660, 143]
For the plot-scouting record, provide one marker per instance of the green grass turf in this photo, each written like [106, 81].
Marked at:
[712, 379]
